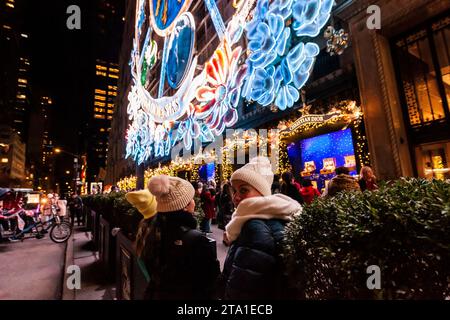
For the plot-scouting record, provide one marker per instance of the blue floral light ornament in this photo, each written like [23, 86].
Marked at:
[278, 64]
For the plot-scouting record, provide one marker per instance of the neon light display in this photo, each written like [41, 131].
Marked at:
[279, 65]
[181, 46]
[270, 71]
[164, 13]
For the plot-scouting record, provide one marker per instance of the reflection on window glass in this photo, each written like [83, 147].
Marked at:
[420, 80]
[441, 35]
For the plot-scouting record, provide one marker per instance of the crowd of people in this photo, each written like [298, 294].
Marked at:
[16, 214]
[252, 209]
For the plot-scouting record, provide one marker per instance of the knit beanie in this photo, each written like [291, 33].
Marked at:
[143, 201]
[172, 193]
[257, 173]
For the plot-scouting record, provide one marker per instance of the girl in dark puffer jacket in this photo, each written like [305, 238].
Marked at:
[253, 268]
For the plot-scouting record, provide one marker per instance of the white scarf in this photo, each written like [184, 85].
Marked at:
[277, 206]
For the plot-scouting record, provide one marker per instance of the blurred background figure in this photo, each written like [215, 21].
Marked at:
[367, 179]
[308, 191]
[76, 207]
[289, 187]
[343, 181]
[61, 206]
[209, 208]
[276, 186]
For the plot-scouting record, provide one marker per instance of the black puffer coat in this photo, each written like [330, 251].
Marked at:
[181, 261]
[253, 268]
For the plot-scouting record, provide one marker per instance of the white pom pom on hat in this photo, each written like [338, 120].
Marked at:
[172, 193]
[159, 185]
[257, 173]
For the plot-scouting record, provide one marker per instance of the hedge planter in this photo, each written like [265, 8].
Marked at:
[88, 218]
[107, 248]
[333, 249]
[95, 229]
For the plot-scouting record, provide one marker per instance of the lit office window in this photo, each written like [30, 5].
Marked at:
[99, 104]
[98, 91]
[101, 98]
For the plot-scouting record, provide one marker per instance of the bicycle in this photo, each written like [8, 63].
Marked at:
[60, 230]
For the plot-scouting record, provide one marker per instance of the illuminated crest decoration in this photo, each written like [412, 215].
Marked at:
[204, 100]
[164, 13]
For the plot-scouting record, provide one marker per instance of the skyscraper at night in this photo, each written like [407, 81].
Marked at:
[40, 151]
[15, 93]
[106, 24]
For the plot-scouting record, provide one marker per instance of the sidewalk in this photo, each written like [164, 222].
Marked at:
[221, 248]
[94, 286]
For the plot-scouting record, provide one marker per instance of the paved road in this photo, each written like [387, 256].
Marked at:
[31, 270]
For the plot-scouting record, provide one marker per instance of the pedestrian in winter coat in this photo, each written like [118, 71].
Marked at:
[308, 192]
[226, 206]
[367, 180]
[182, 261]
[49, 207]
[289, 187]
[209, 209]
[61, 206]
[343, 181]
[76, 209]
[253, 267]
[276, 186]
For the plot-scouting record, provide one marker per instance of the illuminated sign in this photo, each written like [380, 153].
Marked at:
[312, 118]
[204, 103]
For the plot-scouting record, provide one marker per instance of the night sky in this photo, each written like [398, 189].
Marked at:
[63, 68]
[60, 61]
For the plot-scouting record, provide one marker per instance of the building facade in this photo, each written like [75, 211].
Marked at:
[15, 93]
[391, 116]
[12, 158]
[403, 71]
[117, 166]
[40, 151]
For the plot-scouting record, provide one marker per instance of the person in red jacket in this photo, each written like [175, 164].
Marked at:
[209, 208]
[308, 192]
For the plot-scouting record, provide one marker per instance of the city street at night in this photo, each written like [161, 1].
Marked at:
[223, 156]
[32, 270]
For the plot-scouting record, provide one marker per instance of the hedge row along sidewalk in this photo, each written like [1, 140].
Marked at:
[403, 228]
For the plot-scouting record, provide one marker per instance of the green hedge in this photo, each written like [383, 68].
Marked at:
[403, 228]
[120, 213]
[116, 210]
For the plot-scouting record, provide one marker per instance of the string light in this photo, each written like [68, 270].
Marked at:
[345, 111]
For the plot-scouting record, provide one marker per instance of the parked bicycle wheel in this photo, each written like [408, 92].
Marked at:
[60, 232]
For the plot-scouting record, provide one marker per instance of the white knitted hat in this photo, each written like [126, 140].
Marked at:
[172, 193]
[257, 173]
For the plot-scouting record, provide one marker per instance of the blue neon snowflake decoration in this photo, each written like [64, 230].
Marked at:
[279, 63]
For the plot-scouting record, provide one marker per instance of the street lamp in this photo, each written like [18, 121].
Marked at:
[75, 165]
